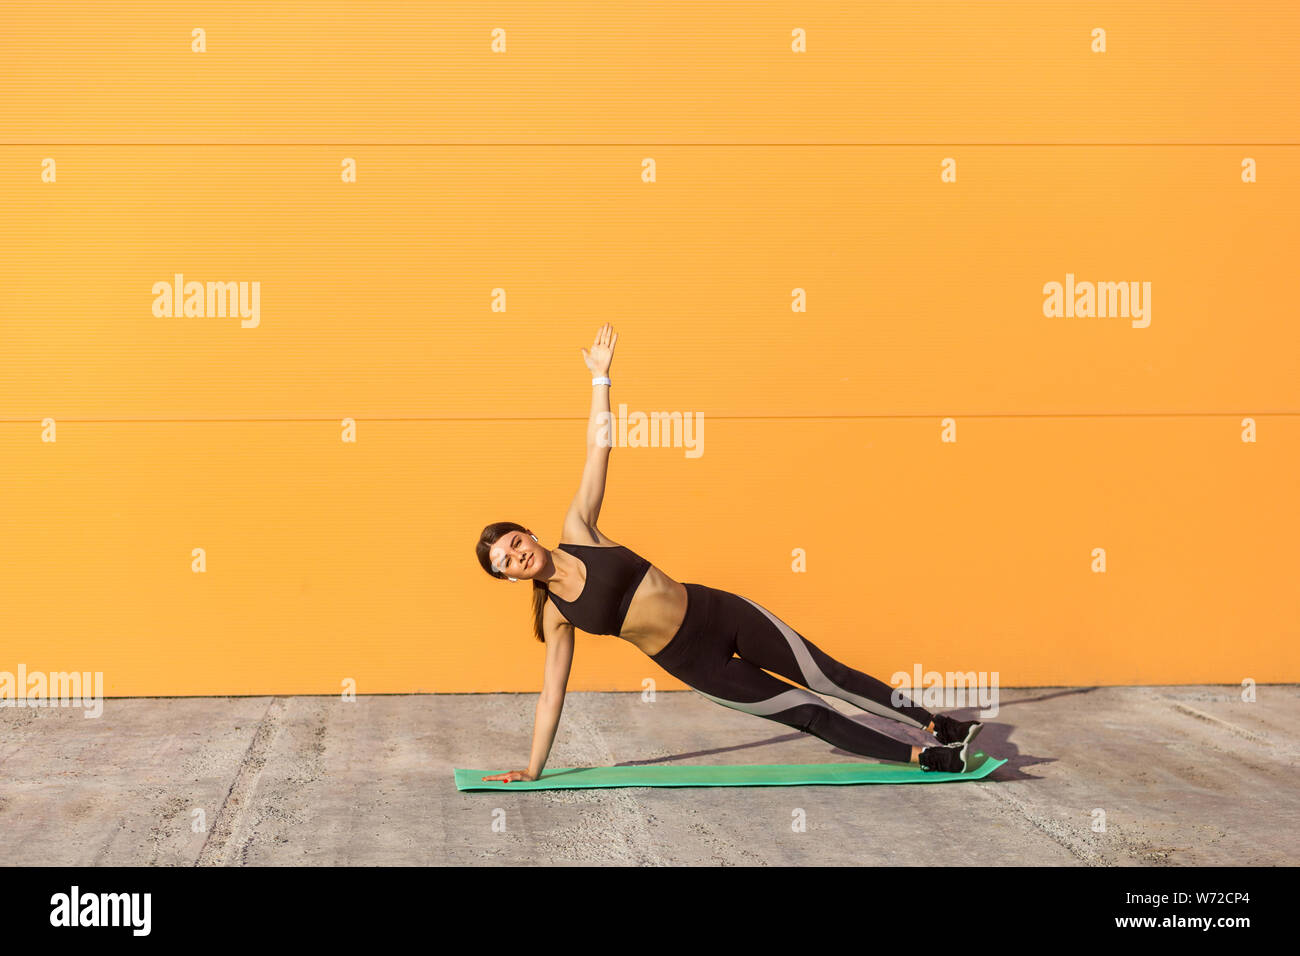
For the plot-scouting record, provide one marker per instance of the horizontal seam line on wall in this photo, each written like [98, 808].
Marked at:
[574, 418]
[29, 143]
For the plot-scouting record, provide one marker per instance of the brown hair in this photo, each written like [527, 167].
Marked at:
[483, 549]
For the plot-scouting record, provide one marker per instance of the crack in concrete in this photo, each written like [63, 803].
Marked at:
[1054, 829]
[215, 849]
[1230, 727]
[623, 837]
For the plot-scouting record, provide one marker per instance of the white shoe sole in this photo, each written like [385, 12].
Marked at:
[967, 752]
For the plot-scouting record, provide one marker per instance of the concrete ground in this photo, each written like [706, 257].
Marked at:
[1185, 776]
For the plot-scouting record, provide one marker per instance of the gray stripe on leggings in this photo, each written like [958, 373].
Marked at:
[773, 705]
[815, 679]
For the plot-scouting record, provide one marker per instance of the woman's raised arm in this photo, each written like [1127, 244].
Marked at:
[600, 431]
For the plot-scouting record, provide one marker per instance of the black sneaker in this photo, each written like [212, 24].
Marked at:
[950, 731]
[949, 758]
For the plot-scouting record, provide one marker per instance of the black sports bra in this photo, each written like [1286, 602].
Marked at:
[613, 575]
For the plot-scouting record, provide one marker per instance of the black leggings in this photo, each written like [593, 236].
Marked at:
[719, 625]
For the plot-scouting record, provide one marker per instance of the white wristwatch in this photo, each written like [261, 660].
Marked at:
[600, 380]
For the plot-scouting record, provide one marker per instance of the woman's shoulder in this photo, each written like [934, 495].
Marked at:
[585, 535]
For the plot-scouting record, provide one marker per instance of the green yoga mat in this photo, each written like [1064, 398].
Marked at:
[758, 775]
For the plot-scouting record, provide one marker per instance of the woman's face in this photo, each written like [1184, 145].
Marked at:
[517, 555]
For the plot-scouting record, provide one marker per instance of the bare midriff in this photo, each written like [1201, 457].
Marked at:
[657, 610]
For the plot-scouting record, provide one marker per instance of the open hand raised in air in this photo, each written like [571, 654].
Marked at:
[602, 350]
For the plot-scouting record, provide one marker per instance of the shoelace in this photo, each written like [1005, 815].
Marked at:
[942, 727]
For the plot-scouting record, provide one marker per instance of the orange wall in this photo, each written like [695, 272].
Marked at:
[522, 171]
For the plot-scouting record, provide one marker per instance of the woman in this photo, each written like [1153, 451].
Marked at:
[716, 642]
